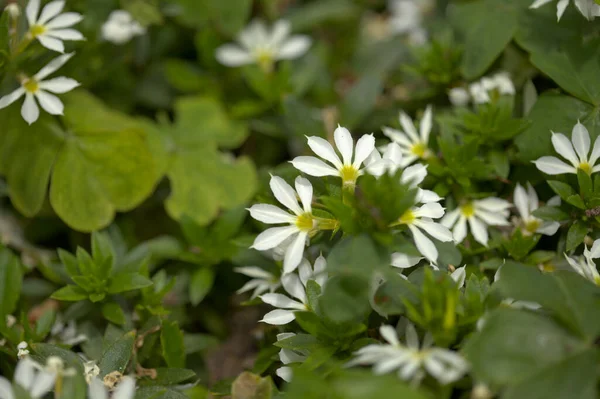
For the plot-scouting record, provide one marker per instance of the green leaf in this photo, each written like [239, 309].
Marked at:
[251, 386]
[102, 163]
[201, 284]
[70, 262]
[317, 13]
[170, 376]
[203, 180]
[576, 235]
[514, 345]
[355, 255]
[10, 281]
[551, 213]
[360, 100]
[563, 190]
[299, 342]
[585, 183]
[171, 339]
[44, 351]
[346, 299]
[117, 355]
[113, 313]
[103, 253]
[70, 293]
[155, 392]
[127, 282]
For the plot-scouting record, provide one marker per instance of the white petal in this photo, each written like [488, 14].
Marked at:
[270, 214]
[50, 103]
[386, 365]
[532, 196]
[51, 43]
[450, 218]
[389, 334]
[50, 11]
[595, 250]
[278, 317]
[294, 47]
[364, 147]
[125, 389]
[43, 383]
[314, 167]
[404, 261]
[409, 127]
[285, 373]
[553, 166]
[65, 34]
[560, 8]
[320, 270]
[53, 66]
[460, 230]
[64, 20]
[233, 56]
[281, 301]
[459, 275]
[12, 97]
[285, 194]
[435, 230]
[322, 148]
[411, 336]
[426, 124]
[414, 175]
[96, 390]
[59, 85]
[548, 228]
[521, 201]
[272, 237]
[539, 3]
[479, 231]
[427, 196]
[305, 271]
[431, 210]
[6, 391]
[397, 137]
[281, 30]
[344, 144]
[424, 244]
[393, 153]
[293, 286]
[595, 152]
[581, 141]
[458, 96]
[253, 271]
[294, 253]
[25, 373]
[305, 192]
[32, 11]
[251, 285]
[492, 204]
[492, 218]
[564, 147]
[30, 111]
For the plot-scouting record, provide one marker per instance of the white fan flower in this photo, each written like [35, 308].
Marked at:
[588, 8]
[479, 214]
[348, 170]
[411, 359]
[413, 145]
[527, 202]
[288, 356]
[296, 287]
[32, 377]
[302, 223]
[50, 27]
[575, 151]
[585, 265]
[36, 88]
[121, 27]
[125, 389]
[258, 45]
[262, 281]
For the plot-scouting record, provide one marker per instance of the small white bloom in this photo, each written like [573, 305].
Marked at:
[459, 96]
[121, 27]
[23, 351]
[36, 88]
[575, 151]
[419, 220]
[413, 145]
[348, 170]
[50, 27]
[13, 10]
[258, 45]
[585, 265]
[459, 276]
[288, 356]
[30, 376]
[302, 223]
[262, 281]
[411, 359]
[407, 18]
[125, 389]
[527, 202]
[296, 287]
[90, 371]
[500, 83]
[66, 333]
[479, 214]
[588, 8]
[56, 365]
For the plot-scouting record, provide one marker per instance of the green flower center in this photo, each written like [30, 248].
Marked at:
[532, 225]
[467, 209]
[407, 217]
[305, 222]
[349, 174]
[419, 149]
[31, 85]
[586, 167]
[37, 30]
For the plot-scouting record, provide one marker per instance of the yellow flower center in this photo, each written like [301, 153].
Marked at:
[467, 209]
[305, 222]
[349, 174]
[264, 59]
[419, 150]
[597, 280]
[37, 30]
[586, 167]
[547, 267]
[532, 225]
[31, 85]
[407, 217]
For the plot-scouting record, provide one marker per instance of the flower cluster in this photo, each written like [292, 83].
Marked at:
[482, 91]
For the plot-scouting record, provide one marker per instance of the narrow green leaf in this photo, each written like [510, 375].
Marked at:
[113, 313]
[127, 282]
[116, 356]
[576, 234]
[10, 281]
[563, 190]
[171, 339]
[200, 285]
[70, 293]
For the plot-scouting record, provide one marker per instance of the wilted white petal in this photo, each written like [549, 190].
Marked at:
[294, 253]
[272, 237]
[294, 47]
[279, 317]
[233, 56]
[344, 143]
[478, 230]
[322, 148]
[285, 194]
[314, 167]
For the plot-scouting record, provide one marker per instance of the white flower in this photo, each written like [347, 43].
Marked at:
[575, 151]
[125, 389]
[500, 82]
[296, 287]
[66, 333]
[413, 145]
[419, 219]
[30, 376]
[50, 27]
[121, 27]
[443, 364]
[258, 45]
[585, 265]
[527, 202]
[588, 8]
[348, 170]
[55, 365]
[90, 371]
[407, 18]
[479, 214]
[36, 88]
[458, 96]
[287, 356]
[302, 223]
[262, 281]
[23, 351]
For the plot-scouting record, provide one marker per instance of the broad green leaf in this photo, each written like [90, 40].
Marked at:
[171, 339]
[103, 253]
[127, 282]
[70, 262]
[114, 313]
[355, 255]
[563, 190]
[576, 235]
[10, 281]
[346, 299]
[360, 100]
[44, 351]
[551, 213]
[70, 293]
[169, 376]
[117, 355]
[201, 284]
